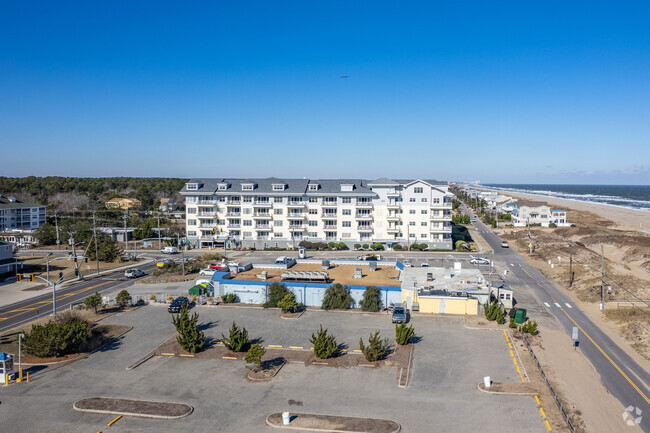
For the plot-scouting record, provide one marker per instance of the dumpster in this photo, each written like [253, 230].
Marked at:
[520, 315]
[200, 289]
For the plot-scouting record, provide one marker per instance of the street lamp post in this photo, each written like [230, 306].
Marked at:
[20, 368]
[48, 267]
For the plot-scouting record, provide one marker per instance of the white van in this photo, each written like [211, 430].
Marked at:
[169, 250]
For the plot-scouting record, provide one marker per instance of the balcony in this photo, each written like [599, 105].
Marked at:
[328, 215]
[233, 214]
[365, 205]
[209, 203]
[233, 203]
[296, 216]
[297, 228]
[363, 216]
[392, 230]
[392, 205]
[441, 217]
[296, 204]
[443, 229]
[262, 227]
[364, 229]
[392, 217]
[392, 193]
[206, 215]
[234, 226]
[330, 227]
[258, 215]
[205, 226]
[263, 204]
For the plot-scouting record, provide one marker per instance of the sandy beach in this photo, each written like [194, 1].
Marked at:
[626, 218]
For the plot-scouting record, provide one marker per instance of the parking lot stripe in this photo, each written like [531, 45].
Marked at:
[541, 411]
[510, 345]
[521, 376]
[357, 350]
[512, 354]
[229, 357]
[114, 421]
[514, 360]
[275, 345]
[518, 370]
[167, 354]
[296, 347]
[537, 400]
[548, 426]
[190, 356]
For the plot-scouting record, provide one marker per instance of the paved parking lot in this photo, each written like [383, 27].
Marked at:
[450, 360]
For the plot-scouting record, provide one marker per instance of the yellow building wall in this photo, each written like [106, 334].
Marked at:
[452, 306]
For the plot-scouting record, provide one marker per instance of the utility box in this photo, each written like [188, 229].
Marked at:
[302, 253]
[520, 315]
[325, 264]
[372, 266]
[6, 365]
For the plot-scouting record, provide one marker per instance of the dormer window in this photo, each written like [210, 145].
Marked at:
[347, 187]
[278, 187]
[247, 186]
[222, 187]
[192, 186]
[313, 187]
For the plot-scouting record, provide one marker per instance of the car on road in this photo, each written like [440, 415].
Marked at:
[217, 266]
[424, 265]
[169, 250]
[504, 244]
[479, 261]
[369, 257]
[162, 262]
[133, 273]
[209, 272]
[399, 315]
[177, 304]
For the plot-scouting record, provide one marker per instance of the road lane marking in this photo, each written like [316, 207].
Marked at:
[537, 399]
[568, 305]
[609, 359]
[547, 305]
[557, 305]
[548, 426]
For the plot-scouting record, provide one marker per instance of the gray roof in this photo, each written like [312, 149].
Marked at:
[5, 203]
[265, 186]
[382, 181]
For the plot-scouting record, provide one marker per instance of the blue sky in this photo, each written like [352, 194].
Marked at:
[511, 92]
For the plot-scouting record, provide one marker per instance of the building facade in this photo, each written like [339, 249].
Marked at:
[16, 215]
[537, 213]
[265, 213]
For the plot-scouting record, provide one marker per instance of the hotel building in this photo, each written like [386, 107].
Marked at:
[266, 213]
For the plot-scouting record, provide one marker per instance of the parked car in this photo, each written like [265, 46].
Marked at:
[399, 315]
[133, 273]
[407, 264]
[217, 266]
[504, 244]
[424, 265]
[369, 257]
[208, 272]
[479, 261]
[232, 264]
[177, 304]
[282, 260]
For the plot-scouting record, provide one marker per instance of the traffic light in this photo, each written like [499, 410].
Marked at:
[76, 272]
[19, 278]
[85, 259]
[60, 275]
[213, 230]
[31, 278]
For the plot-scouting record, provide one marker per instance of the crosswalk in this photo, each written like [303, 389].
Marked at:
[557, 304]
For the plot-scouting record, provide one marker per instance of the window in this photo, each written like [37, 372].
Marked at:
[247, 199]
[248, 234]
[277, 223]
[222, 199]
[223, 186]
[247, 211]
[347, 187]
[346, 200]
[412, 200]
[418, 190]
[313, 199]
[191, 199]
[313, 211]
[423, 223]
[346, 212]
[277, 234]
[191, 210]
[423, 235]
[423, 211]
[312, 234]
[277, 211]
[313, 187]
[248, 223]
[278, 187]
[436, 200]
[347, 223]
[221, 222]
[191, 233]
[412, 223]
[424, 200]
[346, 235]
[191, 222]
[247, 187]
[277, 199]
[412, 211]
[312, 223]
[411, 235]
[192, 186]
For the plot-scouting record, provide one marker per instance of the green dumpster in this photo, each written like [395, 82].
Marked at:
[197, 290]
[520, 315]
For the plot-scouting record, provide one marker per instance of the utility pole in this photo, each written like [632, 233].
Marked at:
[530, 238]
[74, 255]
[159, 240]
[56, 223]
[95, 237]
[602, 279]
[178, 238]
[126, 238]
[570, 263]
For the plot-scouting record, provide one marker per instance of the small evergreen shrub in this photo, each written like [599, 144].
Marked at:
[93, 301]
[364, 246]
[229, 298]
[56, 339]
[288, 303]
[512, 323]
[376, 348]
[530, 327]
[189, 336]
[403, 334]
[238, 340]
[123, 298]
[325, 345]
[357, 246]
[371, 300]
[337, 297]
[397, 247]
[254, 354]
[275, 293]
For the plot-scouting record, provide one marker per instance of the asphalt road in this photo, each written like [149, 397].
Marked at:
[621, 375]
[30, 309]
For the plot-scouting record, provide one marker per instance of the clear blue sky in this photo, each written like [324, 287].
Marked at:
[510, 92]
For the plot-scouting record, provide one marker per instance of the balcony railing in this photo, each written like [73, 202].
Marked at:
[261, 215]
[330, 226]
[234, 226]
[233, 214]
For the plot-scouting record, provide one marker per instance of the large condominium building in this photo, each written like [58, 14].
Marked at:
[272, 212]
[16, 215]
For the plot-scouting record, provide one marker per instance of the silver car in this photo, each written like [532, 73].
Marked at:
[133, 273]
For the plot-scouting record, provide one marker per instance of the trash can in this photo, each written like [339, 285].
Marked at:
[286, 418]
[520, 315]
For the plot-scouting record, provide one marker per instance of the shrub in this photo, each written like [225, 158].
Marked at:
[288, 303]
[57, 339]
[275, 293]
[357, 246]
[371, 300]
[397, 247]
[325, 345]
[552, 225]
[194, 298]
[170, 298]
[93, 301]
[189, 336]
[376, 348]
[364, 246]
[377, 246]
[337, 297]
[342, 246]
[403, 334]
[512, 323]
[152, 297]
[529, 327]
[332, 245]
[123, 298]
[238, 341]
[461, 244]
[494, 311]
[306, 244]
[229, 298]
[415, 247]
[254, 354]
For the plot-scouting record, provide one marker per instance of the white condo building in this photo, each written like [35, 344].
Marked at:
[266, 213]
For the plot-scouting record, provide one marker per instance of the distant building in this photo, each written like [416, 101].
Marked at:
[123, 203]
[526, 212]
[167, 204]
[16, 215]
[7, 262]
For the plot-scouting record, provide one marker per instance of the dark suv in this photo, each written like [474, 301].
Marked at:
[177, 304]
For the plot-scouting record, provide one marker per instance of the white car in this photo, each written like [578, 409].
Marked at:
[424, 265]
[504, 244]
[207, 272]
[133, 273]
[479, 261]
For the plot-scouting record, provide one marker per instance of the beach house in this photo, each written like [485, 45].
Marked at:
[529, 212]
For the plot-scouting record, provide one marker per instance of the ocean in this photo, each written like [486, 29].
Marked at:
[629, 196]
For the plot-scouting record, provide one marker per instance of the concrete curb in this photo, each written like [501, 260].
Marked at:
[269, 423]
[523, 394]
[264, 380]
[141, 415]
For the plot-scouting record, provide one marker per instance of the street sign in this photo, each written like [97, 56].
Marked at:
[147, 244]
[574, 334]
